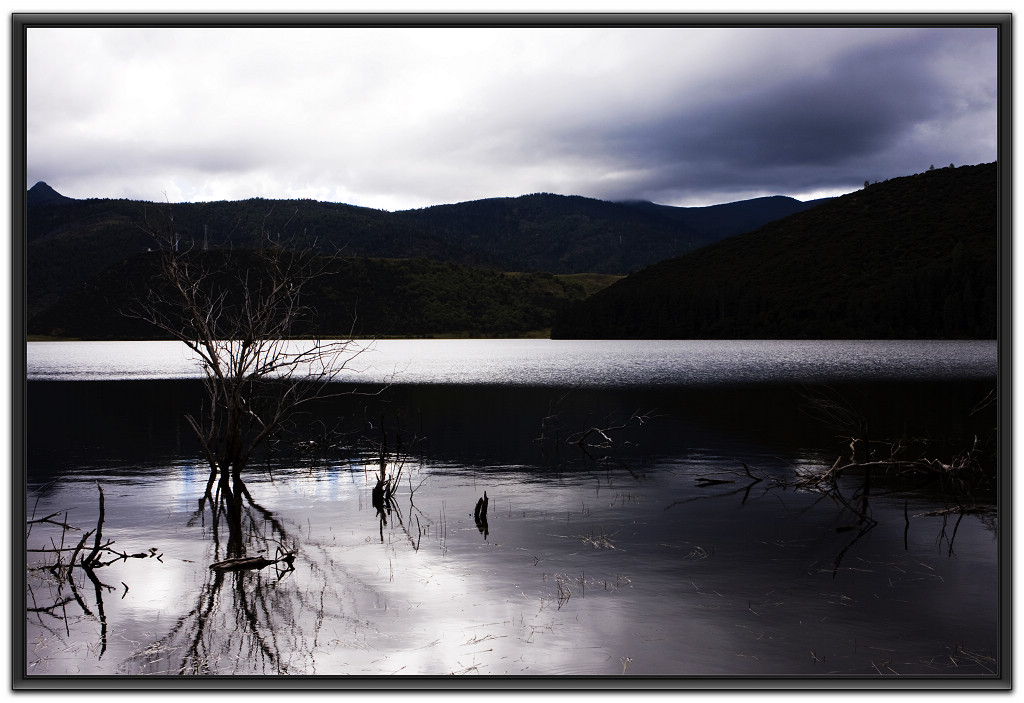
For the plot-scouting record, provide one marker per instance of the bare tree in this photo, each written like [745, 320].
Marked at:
[244, 313]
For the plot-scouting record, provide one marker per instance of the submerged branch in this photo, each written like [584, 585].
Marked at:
[245, 563]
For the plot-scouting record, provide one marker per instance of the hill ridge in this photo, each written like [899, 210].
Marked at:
[910, 257]
[70, 241]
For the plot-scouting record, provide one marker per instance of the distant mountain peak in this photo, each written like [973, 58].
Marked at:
[42, 194]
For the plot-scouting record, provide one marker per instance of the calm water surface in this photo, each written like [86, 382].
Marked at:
[654, 553]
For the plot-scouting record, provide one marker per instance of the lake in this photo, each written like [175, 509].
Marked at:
[692, 537]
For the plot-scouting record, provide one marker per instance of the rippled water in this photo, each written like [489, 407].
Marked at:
[569, 363]
[687, 545]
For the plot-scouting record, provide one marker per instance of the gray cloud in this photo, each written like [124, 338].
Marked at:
[860, 116]
[402, 118]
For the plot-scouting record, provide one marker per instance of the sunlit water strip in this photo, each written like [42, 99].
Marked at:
[543, 362]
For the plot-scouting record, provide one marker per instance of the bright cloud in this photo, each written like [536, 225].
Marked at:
[406, 117]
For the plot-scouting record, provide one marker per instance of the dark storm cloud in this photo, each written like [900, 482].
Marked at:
[832, 127]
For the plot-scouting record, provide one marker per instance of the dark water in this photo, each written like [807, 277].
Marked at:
[688, 544]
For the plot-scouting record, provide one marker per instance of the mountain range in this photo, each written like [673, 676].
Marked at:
[71, 241]
[911, 257]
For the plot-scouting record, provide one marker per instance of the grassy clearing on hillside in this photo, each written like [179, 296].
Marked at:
[589, 282]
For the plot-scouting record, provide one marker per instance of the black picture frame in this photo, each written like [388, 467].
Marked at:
[21, 23]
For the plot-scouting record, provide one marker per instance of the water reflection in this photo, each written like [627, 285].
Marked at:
[564, 363]
[64, 565]
[236, 626]
[532, 532]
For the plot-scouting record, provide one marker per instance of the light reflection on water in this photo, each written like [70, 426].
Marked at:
[566, 363]
[583, 572]
[598, 562]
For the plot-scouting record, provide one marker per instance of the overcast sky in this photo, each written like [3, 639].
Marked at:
[402, 118]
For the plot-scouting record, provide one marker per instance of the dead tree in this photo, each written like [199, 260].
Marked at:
[242, 312]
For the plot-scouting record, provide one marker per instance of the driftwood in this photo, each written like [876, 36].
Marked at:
[606, 441]
[100, 547]
[49, 519]
[961, 509]
[256, 563]
[89, 560]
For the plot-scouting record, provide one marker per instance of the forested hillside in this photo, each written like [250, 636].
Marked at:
[544, 232]
[356, 296]
[70, 241]
[912, 257]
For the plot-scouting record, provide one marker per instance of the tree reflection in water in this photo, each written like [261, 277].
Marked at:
[275, 620]
[250, 616]
[81, 559]
[236, 627]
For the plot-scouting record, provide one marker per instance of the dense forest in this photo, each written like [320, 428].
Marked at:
[561, 234]
[912, 257]
[355, 296]
[70, 241]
